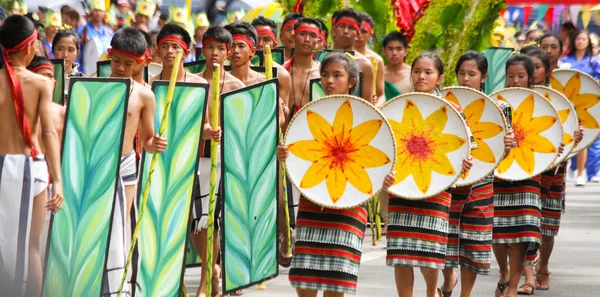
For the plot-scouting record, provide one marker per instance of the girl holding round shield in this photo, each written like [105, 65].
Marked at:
[328, 263]
[474, 238]
[418, 229]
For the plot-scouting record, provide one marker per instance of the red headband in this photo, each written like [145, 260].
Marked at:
[17, 91]
[147, 53]
[269, 33]
[367, 26]
[322, 36]
[243, 38]
[307, 28]
[207, 41]
[43, 66]
[176, 39]
[348, 21]
[288, 24]
[126, 53]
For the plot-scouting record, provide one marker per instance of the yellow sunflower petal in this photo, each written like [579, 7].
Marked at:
[555, 84]
[358, 177]
[452, 98]
[369, 157]
[316, 173]
[542, 144]
[309, 150]
[441, 164]
[342, 123]
[564, 115]
[484, 153]
[449, 142]
[336, 183]
[484, 130]
[436, 121]
[587, 120]
[474, 110]
[547, 96]
[507, 162]
[585, 100]
[525, 159]
[541, 123]
[319, 127]
[573, 86]
[404, 166]
[412, 116]
[568, 139]
[364, 133]
[398, 129]
[422, 178]
[525, 109]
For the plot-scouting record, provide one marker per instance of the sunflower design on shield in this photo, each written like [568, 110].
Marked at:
[340, 152]
[422, 146]
[582, 101]
[527, 130]
[481, 130]
[563, 114]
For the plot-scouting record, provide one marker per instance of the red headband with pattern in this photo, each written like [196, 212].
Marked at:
[348, 21]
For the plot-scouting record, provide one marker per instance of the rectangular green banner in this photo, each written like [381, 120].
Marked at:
[195, 67]
[497, 57]
[164, 226]
[59, 78]
[249, 117]
[91, 154]
[103, 69]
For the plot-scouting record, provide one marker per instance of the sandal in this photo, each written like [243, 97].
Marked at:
[500, 289]
[441, 292]
[526, 289]
[544, 276]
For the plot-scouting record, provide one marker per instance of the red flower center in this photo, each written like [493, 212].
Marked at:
[419, 147]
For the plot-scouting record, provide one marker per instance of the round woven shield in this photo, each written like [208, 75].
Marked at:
[431, 141]
[584, 93]
[488, 126]
[538, 134]
[568, 118]
[341, 149]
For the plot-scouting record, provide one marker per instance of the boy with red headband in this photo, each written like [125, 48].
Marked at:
[344, 32]
[286, 36]
[138, 71]
[360, 45]
[127, 51]
[244, 39]
[301, 66]
[25, 106]
[322, 43]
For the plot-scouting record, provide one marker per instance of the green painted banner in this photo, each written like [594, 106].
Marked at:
[79, 233]
[164, 226]
[59, 77]
[497, 57]
[195, 67]
[250, 184]
[103, 69]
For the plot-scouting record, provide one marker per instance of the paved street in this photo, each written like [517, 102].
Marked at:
[575, 263]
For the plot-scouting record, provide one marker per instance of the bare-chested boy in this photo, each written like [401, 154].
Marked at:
[126, 53]
[266, 30]
[344, 31]
[366, 33]
[25, 100]
[286, 36]
[138, 71]
[397, 72]
[302, 67]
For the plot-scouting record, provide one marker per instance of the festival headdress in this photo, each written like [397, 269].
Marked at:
[234, 16]
[20, 8]
[98, 5]
[111, 16]
[146, 7]
[179, 15]
[201, 20]
[53, 19]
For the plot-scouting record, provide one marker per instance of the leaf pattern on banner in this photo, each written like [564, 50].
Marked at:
[59, 77]
[250, 185]
[195, 67]
[91, 156]
[316, 90]
[164, 226]
[497, 58]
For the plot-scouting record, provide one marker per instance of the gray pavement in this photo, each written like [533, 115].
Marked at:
[575, 262]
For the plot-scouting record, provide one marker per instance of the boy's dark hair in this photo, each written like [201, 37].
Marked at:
[346, 13]
[164, 16]
[437, 62]
[324, 28]
[129, 40]
[308, 21]
[292, 16]
[66, 33]
[263, 21]
[14, 30]
[219, 34]
[526, 62]
[147, 37]
[174, 29]
[348, 64]
[243, 28]
[367, 18]
[534, 51]
[37, 61]
[395, 36]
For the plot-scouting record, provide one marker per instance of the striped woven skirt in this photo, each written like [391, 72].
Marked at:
[517, 212]
[328, 248]
[418, 231]
[553, 190]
